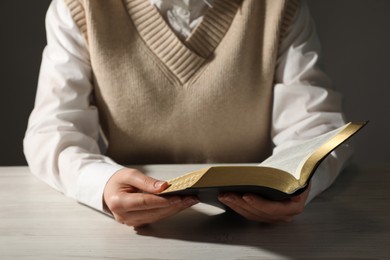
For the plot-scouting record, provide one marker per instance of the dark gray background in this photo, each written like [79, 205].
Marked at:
[356, 42]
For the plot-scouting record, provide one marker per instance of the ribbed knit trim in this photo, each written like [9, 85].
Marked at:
[183, 59]
[213, 27]
[78, 14]
[290, 12]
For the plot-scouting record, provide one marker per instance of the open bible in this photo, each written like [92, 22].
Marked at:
[281, 176]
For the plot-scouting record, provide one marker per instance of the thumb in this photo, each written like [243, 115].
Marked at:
[145, 183]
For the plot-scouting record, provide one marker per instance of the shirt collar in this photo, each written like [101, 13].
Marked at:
[209, 3]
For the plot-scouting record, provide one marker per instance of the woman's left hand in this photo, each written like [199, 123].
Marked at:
[258, 209]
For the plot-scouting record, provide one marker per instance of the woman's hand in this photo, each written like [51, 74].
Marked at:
[259, 209]
[129, 196]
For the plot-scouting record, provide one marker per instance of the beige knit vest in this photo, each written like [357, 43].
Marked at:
[207, 99]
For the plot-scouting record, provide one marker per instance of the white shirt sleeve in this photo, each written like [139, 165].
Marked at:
[61, 141]
[304, 104]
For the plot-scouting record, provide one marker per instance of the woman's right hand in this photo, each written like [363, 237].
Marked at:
[129, 197]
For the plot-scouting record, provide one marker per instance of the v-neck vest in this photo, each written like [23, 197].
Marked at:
[206, 99]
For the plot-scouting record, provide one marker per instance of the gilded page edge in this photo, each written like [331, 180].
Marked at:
[313, 161]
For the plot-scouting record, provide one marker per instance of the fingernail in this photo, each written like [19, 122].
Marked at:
[158, 184]
[227, 197]
[247, 198]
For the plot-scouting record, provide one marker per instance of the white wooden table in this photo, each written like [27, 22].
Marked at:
[349, 221]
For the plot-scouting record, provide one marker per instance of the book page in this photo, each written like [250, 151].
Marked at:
[291, 159]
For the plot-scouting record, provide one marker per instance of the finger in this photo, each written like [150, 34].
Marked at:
[274, 208]
[140, 201]
[238, 204]
[302, 196]
[235, 207]
[143, 217]
[143, 182]
[259, 218]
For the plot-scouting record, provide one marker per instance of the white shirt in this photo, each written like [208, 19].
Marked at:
[182, 15]
[62, 142]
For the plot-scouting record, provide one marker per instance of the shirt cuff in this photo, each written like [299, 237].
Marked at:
[328, 171]
[92, 181]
